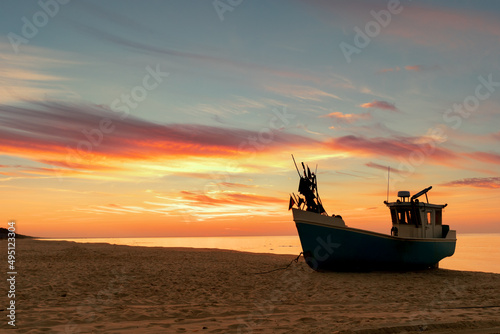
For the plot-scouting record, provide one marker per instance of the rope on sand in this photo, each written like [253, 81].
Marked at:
[283, 268]
[464, 307]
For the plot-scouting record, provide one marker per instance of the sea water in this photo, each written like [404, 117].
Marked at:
[474, 252]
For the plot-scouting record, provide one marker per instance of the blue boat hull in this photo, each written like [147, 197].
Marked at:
[332, 248]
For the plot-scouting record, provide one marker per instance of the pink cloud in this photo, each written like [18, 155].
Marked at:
[492, 158]
[477, 182]
[393, 147]
[379, 105]
[348, 118]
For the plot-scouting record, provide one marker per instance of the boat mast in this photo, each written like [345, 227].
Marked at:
[388, 178]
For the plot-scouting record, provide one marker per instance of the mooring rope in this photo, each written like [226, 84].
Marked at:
[283, 268]
[464, 307]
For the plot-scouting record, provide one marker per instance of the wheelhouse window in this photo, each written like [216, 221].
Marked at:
[429, 217]
[408, 216]
[401, 217]
[404, 216]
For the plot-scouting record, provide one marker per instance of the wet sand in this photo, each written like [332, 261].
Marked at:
[64, 287]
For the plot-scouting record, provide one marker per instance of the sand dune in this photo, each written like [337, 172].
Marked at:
[66, 287]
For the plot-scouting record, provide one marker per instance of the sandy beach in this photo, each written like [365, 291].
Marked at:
[64, 287]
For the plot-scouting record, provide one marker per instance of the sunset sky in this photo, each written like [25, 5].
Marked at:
[179, 118]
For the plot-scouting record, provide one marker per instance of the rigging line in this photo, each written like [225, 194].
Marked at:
[317, 193]
[283, 268]
[465, 307]
[388, 178]
[296, 165]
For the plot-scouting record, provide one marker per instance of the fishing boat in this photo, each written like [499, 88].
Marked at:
[417, 240]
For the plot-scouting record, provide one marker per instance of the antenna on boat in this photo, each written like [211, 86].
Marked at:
[296, 165]
[388, 179]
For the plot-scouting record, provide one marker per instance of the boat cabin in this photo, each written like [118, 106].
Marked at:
[414, 219]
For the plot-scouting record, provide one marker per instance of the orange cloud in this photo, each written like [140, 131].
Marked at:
[226, 198]
[91, 137]
[379, 105]
[416, 68]
[198, 205]
[236, 185]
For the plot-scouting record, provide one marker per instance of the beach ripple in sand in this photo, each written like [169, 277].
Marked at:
[66, 287]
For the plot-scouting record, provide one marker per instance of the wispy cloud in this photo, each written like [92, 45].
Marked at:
[301, 92]
[416, 68]
[424, 25]
[411, 68]
[340, 117]
[72, 135]
[28, 76]
[390, 69]
[236, 185]
[197, 205]
[391, 147]
[234, 105]
[477, 182]
[443, 27]
[200, 58]
[382, 167]
[488, 157]
[377, 104]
